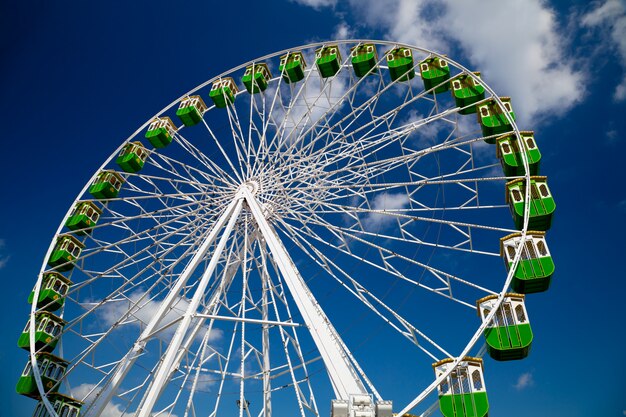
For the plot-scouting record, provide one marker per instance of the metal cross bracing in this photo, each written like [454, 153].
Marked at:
[199, 286]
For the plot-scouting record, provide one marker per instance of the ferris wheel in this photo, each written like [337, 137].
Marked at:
[319, 231]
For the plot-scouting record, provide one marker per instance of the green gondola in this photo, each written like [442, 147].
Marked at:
[400, 64]
[256, 77]
[161, 131]
[462, 393]
[132, 157]
[535, 268]
[364, 59]
[509, 153]
[223, 92]
[51, 368]
[542, 203]
[83, 217]
[63, 405]
[328, 60]
[435, 72]
[467, 91]
[292, 66]
[191, 110]
[492, 118]
[106, 185]
[52, 293]
[48, 328]
[65, 252]
[509, 335]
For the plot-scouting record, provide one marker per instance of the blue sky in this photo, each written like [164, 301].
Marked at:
[78, 79]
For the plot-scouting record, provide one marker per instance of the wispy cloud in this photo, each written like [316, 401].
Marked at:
[610, 18]
[612, 137]
[524, 381]
[4, 258]
[111, 312]
[86, 392]
[316, 4]
[517, 45]
[384, 201]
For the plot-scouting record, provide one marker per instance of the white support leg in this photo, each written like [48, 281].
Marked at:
[164, 369]
[127, 362]
[344, 378]
[267, 383]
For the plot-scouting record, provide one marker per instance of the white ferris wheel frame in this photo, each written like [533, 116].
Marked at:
[346, 377]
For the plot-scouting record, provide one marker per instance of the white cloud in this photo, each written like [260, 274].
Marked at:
[404, 20]
[144, 310]
[4, 259]
[612, 136]
[525, 380]
[84, 393]
[343, 31]
[316, 4]
[428, 134]
[515, 44]
[610, 16]
[384, 201]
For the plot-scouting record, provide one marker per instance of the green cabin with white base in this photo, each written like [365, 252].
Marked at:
[54, 287]
[63, 405]
[535, 268]
[132, 157]
[508, 335]
[435, 73]
[223, 92]
[542, 203]
[65, 252]
[364, 59]
[509, 152]
[467, 91]
[256, 77]
[48, 328]
[462, 393]
[161, 132]
[106, 185]
[83, 218]
[400, 64]
[51, 368]
[191, 110]
[292, 66]
[493, 120]
[328, 60]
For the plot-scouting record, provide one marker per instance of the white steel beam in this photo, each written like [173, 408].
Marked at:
[104, 396]
[267, 383]
[163, 371]
[247, 320]
[343, 376]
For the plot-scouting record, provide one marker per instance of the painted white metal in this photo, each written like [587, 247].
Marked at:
[308, 205]
[105, 395]
[264, 322]
[267, 383]
[343, 376]
[164, 370]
